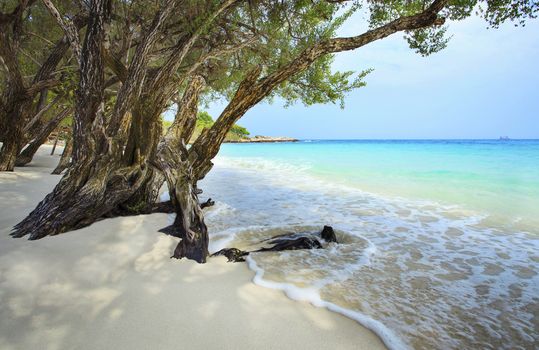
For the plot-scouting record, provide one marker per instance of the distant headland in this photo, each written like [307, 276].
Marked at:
[262, 139]
[237, 134]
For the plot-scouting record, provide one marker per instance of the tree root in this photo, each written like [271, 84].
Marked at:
[232, 254]
[289, 241]
[207, 204]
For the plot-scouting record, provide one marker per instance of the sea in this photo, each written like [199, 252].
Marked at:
[438, 239]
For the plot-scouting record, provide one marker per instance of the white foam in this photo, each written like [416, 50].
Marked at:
[312, 296]
[421, 269]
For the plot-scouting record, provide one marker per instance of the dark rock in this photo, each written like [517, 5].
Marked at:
[328, 234]
[232, 254]
[302, 242]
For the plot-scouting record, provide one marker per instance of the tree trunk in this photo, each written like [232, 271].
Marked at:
[12, 129]
[96, 184]
[65, 159]
[28, 153]
[189, 223]
[189, 219]
[54, 144]
[104, 175]
[172, 160]
[9, 151]
[19, 97]
[97, 181]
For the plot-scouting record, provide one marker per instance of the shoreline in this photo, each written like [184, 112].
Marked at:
[112, 285]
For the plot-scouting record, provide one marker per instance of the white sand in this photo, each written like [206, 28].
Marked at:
[113, 286]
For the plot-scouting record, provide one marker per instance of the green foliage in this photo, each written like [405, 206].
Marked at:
[319, 84]
[239, 131]
[166, 124]
[496, 12]
[204, 120]
[286, 29]
[427, 41]
[430, 40]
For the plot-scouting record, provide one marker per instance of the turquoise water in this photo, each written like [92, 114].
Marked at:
[499, 179]
[439, 240]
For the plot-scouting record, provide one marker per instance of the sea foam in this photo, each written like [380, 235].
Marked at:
[312, 296]
[420, 274]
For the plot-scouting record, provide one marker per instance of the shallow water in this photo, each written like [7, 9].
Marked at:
[439, 239]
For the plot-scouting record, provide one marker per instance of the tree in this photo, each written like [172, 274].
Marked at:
[27, 75]
[205, 121]
[136, 59]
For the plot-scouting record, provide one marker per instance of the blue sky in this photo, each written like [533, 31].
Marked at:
[483, 85]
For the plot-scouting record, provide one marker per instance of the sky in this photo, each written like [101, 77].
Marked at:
[485, 84]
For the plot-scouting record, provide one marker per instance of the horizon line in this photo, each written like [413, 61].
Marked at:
[414, 139]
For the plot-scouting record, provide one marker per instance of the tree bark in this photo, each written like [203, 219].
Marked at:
[104, 176]
[69, 28]
[172, 161]
[65, 159]
[13, 134]
[16, 101]
[18, 97]
[89, 188]
[28, 153]
[54, 144]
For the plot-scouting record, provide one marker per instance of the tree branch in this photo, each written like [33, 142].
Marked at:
[176, 57]
[40, 85]
[251, 90]
[137, 69]
[68, 27]
[39, 114]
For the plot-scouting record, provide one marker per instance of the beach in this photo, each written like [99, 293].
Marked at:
[112, 285]
[437, 249]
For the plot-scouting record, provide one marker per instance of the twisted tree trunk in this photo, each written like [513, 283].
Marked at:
[27, 154]
[81, 195]
[172, 160]
[105, 174]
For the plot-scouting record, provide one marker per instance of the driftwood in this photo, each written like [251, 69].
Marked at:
[207, 203]
[232, 254]
[287, 241]
[292, 243]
